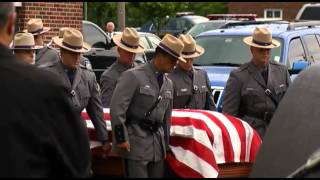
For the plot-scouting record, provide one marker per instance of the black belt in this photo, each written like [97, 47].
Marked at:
[266, 116]
[145, 124]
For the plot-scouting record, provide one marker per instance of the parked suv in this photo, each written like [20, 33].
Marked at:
[103, 53]
[226, 51]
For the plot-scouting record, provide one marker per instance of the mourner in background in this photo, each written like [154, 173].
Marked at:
[128, 45]
[24, 47]
[80, 83]
[47, 55]
[254, 90]
[191, 85]
[41, 135]
[141, 111]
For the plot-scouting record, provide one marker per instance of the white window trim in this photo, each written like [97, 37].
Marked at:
[17, 4]
[273, 10]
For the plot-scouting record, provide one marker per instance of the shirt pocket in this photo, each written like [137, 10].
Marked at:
[147, 91]
[250, 96]
[183, 91]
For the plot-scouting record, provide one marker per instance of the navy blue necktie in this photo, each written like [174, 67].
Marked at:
[160, 79]
[264, 74]
[71, 75]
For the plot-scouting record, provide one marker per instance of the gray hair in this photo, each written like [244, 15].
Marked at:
[5, 9]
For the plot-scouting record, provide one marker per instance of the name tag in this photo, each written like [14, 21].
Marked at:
[184, 90]
[147, 86]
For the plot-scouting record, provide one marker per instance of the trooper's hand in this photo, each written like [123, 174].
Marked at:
[106, 149]
[125, 145]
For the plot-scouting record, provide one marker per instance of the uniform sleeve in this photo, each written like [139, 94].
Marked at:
[120, 101]
[232, 95]
[107, 88]
[95, 110]
[209, 97]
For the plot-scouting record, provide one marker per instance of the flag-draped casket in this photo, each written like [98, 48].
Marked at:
[201, 141]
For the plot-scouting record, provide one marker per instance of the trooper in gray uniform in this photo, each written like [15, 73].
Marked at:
[141, 112]
[191, 85]
[128, 45]
[47, 55]
[80, 83]
[254, 90]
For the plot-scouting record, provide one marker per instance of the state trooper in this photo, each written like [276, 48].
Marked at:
[47, 55]
[254, 90]
[24, 47]
[191, 85]
[128, 45]
[140, 112]
[80, 82]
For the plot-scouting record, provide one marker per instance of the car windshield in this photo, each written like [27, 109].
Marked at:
[202, 27]
[311, 13]
[228, 50]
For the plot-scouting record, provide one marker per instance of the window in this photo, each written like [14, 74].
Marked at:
[144, 42]
[92, 35]
[154, 41]
[296, 51]
[273, 13]
[313, 47]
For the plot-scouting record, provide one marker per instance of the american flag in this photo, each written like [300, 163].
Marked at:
[200, 140]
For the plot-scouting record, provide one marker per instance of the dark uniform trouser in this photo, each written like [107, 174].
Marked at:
[143, 169]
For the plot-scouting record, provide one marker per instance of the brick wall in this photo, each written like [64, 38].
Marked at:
[53, 15]
[290, 9]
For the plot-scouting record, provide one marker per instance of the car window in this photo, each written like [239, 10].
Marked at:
[92, 35]
[172, 24]
[154, 41]
[296, 51]
[311, 13]
[313, 47]
[199, 28]
[145, 42]
[228, 50]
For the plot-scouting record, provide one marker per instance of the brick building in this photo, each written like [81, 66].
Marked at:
[281, 10]
[53, 15]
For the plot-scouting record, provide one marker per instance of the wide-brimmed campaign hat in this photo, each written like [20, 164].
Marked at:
[35, 27]
[191, 49]
[61, 31]
[24, 41]
[172, 46]
[72, 40]
[261, 38]
[129, 40]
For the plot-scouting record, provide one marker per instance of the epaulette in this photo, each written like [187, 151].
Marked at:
[243, 67]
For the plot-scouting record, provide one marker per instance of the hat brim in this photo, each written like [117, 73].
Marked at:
[198, 52]
[248, 41]
[33, 48]
[85, 46]
[180, 58]
[117, 40]
[45, 29]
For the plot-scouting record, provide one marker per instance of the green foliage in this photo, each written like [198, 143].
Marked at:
[138, 13]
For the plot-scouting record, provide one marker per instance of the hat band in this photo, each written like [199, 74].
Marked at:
[189, 53]
[130, 46]
[168, 49]
[71, 46]
[37, 31]
[262, 43]
[24, 47]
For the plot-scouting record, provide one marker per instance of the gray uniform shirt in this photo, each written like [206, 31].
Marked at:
[109, 79]
[136, 91]
[46, 56]
[84, 93]
[191, 93]
[245, 91]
